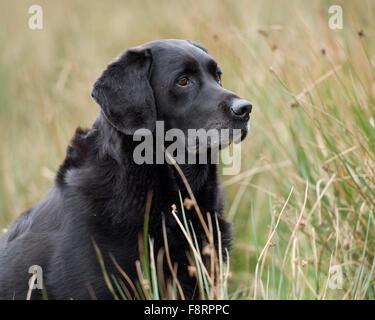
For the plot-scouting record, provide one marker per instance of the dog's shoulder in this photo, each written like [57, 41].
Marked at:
[80, 150]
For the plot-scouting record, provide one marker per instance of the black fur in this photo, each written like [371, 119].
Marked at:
[100, 192]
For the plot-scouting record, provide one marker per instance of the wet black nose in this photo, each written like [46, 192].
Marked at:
[241, 109]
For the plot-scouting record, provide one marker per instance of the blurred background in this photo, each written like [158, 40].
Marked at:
[302, 207]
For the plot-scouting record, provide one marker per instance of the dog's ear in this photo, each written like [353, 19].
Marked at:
[124, 92]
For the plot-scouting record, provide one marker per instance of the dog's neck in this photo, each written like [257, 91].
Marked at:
[120, 147]
[100, 164]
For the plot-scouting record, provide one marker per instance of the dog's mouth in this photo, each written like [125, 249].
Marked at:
[221, 140]
[244, 133]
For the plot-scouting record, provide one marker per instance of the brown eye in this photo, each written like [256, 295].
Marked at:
[183, 81]
[218, 78]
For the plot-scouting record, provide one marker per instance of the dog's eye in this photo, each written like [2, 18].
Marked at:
[183, 81]
[218, 78]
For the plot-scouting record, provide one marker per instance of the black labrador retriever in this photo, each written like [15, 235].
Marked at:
[100, 194]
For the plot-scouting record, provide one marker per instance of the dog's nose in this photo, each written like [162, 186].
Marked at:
[241, 109]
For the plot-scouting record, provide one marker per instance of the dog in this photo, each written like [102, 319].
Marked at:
[99, 198]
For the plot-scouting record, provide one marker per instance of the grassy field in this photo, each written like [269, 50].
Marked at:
[303, 206]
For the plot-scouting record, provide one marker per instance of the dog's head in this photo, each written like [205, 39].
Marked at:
[175, 81]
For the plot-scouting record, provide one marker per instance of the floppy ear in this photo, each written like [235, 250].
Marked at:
[124, 92]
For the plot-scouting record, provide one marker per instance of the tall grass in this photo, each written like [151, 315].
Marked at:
[303, 205]
[207, 265]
